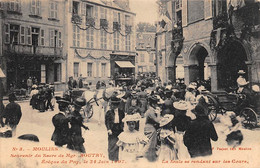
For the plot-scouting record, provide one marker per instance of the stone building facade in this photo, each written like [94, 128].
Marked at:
[145, 50]
[32, 46]
[220, 38]
[97, 30]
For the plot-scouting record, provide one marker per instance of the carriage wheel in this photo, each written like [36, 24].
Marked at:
[88, 111]
[249, 117]
[213, 108]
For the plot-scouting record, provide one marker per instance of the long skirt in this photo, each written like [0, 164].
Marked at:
[150, 148]
[167, 153]
[182, 151]
[113, 149]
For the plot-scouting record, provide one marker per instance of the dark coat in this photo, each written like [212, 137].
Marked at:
[181, 123]
[61, 131]
[197, 137]
[12, 114]
[110, 119]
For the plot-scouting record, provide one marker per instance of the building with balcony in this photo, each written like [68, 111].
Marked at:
[169, 41]
[145, 49]
[100, 35]
[219, 38]
[32, 41]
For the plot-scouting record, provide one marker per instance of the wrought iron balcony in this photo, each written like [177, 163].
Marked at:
[31, 50]
[76, 19]
[90, 21]
[104, 23]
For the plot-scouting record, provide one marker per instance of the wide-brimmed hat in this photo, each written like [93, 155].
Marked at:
[201, 88]
[181, 105]
[241, 72]
[34, 86]
[255, 88]
[191, 86]
[166, 119]
[80, 102]
[132, 117]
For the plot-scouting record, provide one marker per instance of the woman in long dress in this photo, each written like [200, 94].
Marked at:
[168, 139]
[152, 116]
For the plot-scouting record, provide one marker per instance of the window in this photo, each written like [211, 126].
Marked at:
[89, 70]
[76, 69]
[178, 4]
[90, 38]
[103, 13]
[195, 11]
[14, 5]
[75, 8]
[151, 57]
[116, 41]
[103, 40]
[1, 5]
[36, 7]
[43, 73]
[142, 57]
[128, 43]
[103, 69]
[76, 36]
[57, 72]
[59, 40]
[127, 20]
[89, 12]
[14, 34]
[51, 38]
[29, 36]
[22, 35]
[42, 37]
[116, 17]
[53, 10]
[7, 33]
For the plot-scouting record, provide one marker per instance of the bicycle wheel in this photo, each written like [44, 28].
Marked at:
[249, 117]
[213, 108]
[88, 111]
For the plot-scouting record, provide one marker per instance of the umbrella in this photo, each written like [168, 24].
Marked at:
[2, 75]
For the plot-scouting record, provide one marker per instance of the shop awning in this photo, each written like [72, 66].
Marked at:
[124, 64]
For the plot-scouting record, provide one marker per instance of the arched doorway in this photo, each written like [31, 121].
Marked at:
[230, 60]
[198, 60]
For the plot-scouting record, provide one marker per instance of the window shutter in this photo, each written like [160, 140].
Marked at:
[207, 9]
[184, 12]
[56, 10]
[22, 35]
[29, 36]
[51, 38]
[7, 33]
[42, 37]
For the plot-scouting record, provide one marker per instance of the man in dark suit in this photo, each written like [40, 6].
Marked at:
[61, 132]
[12, 113]
[199, 134]
[114, 125]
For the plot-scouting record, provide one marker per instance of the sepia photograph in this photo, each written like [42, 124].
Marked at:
[129, 83]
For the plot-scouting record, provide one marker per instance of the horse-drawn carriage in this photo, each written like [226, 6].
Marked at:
[221, 102]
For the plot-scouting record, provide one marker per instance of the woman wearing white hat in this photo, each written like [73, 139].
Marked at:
[168, 139]
[130, 141]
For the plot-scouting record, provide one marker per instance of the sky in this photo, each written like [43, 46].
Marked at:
[146, 10]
